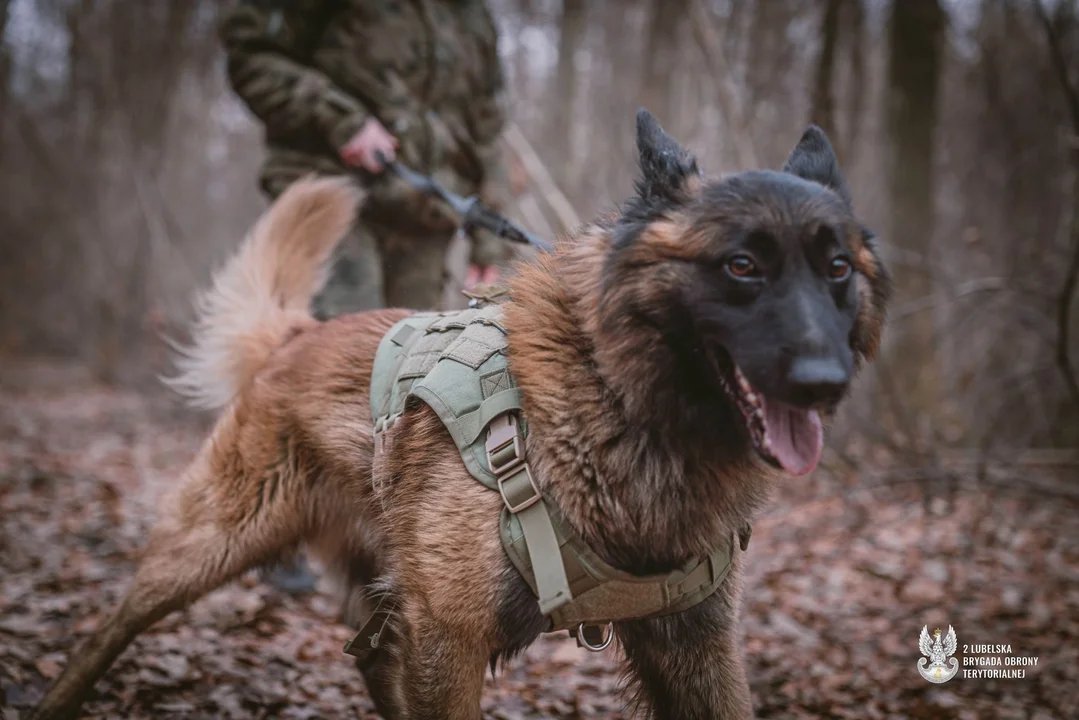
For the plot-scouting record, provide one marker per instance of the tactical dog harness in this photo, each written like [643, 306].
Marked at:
[456, 363]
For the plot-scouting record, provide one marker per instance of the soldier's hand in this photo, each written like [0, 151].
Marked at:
[481, 275]
[488, 254]
[364, 148]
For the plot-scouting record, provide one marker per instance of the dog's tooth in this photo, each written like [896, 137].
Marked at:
[746, 387]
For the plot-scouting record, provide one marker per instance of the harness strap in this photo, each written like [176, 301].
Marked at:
[506, 456]
[473, 423]
[602, 593]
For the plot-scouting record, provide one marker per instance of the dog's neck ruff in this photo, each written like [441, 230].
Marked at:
[456, 363]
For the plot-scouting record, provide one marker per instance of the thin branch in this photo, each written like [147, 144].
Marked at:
[1071, 279]
[923, 448]
[548, 188]
[533, 216]
[1018, 485]
[970, 287]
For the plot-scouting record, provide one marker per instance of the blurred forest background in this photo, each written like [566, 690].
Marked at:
[127, 171]
[948, 496]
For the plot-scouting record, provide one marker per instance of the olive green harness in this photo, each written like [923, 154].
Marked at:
[456, 363]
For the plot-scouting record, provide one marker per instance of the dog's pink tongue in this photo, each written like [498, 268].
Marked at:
[795, 436]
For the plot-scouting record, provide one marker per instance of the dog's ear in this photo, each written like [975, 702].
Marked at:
[814, 159]
[874, 284]
[668, 170]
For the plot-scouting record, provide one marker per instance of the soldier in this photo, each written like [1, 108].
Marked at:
[336, 82]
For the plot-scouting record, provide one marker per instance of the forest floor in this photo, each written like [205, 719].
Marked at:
[843, 573]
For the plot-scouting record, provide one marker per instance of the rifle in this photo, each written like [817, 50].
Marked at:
[472, 212]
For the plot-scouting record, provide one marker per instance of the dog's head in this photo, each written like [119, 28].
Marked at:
[763, 285]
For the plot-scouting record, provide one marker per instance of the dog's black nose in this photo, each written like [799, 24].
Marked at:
[814, 380]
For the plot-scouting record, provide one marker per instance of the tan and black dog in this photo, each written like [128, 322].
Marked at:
[676, 361]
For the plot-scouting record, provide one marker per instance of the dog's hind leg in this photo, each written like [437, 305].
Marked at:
[229, 515]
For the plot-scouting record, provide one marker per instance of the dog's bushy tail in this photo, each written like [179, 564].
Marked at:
[262, 295]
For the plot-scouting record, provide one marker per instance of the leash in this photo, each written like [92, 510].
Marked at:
[472, 212]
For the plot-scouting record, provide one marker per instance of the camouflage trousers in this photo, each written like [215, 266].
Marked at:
[378, 266]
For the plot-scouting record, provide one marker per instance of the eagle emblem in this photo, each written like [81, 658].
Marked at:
[940, 667]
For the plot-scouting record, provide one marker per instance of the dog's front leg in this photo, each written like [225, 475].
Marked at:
[441, 669]
[689, 665]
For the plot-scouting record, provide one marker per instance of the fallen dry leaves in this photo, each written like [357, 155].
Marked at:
[841, 580]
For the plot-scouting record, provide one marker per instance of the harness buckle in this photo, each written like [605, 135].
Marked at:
[382, 426]
[516, 505]
[505, 455]
[503, 446]
[371, 635]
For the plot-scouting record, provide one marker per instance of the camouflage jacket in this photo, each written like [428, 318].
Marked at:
[314, 70]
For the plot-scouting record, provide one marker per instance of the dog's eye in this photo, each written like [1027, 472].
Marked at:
[839, 269]
[742, 267]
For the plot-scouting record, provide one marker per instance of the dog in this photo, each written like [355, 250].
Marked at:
[677, 361]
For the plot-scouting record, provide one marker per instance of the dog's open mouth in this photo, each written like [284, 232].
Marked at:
[786, 436]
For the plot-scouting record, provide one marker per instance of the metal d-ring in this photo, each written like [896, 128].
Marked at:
[583, 641]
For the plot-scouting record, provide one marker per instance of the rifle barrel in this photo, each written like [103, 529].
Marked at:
[470, 209]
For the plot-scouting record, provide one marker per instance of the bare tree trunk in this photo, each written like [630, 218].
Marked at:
[661, 43]
[571, 37]
[1066, 298]
[916, 50]
[822, 110]
[5, 68]
[766, 31]
[854, 20]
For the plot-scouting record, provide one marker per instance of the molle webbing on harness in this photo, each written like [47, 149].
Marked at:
[602, 593]
[456, 363]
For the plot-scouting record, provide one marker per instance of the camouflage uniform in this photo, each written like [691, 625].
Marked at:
[315, 70]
